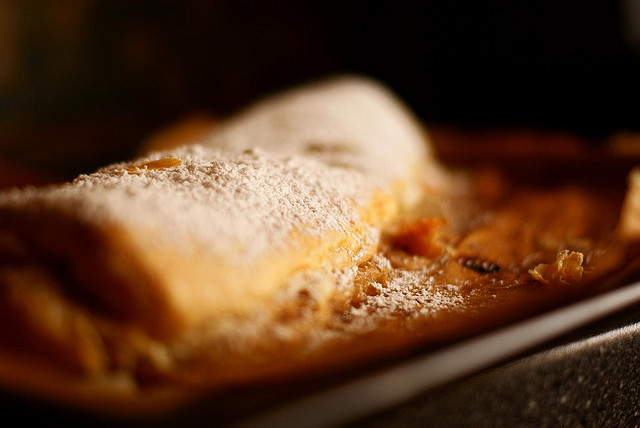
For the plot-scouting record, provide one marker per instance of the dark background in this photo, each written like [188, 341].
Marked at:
[82, 82]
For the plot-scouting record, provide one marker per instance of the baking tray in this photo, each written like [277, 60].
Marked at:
[578, 365]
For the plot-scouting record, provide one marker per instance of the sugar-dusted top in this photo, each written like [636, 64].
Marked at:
[349, 120]
[237, 204]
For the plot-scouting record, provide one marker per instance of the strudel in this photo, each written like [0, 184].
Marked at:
[315, 229]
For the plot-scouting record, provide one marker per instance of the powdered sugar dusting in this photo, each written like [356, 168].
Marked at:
[407, 295]
[345, 121]
[237, 205]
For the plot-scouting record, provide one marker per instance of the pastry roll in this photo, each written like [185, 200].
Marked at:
[312, 230]
[104, 274]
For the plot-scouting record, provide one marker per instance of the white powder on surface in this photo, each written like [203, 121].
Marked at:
[407, 295]
[350, 121]
[237, 205]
